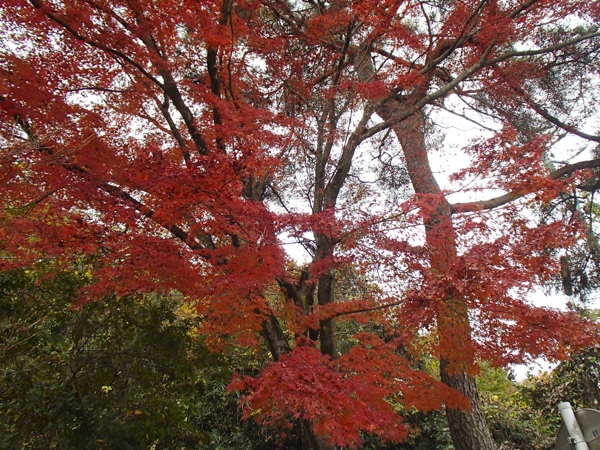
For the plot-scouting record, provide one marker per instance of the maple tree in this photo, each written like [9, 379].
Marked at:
[182, 144]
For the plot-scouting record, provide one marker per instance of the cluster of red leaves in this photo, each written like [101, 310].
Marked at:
[493, 279]
[363, 391]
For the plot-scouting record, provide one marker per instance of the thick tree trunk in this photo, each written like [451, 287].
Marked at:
[325, 296]
[467, 428]
[275, 337]
[309, 441]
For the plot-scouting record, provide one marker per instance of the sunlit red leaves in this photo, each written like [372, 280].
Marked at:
[344, 397]
[508, 329]
[515, 165]
[26, 239]
[233, 317]
[480, 283]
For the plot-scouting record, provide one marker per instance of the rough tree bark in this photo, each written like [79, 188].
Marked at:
[467, 428]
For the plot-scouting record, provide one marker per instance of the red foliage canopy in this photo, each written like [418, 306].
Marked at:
[179, 145]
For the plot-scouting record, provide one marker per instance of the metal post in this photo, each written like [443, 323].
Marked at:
[568, 417]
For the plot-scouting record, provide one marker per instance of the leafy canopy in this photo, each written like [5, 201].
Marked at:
[182, 144]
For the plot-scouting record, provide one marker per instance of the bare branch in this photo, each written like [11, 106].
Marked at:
[495, 202]
[554, 120]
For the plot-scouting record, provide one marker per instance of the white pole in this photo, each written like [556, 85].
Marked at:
[568, 417]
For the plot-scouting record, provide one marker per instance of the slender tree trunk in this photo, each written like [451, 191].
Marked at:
[328, 336]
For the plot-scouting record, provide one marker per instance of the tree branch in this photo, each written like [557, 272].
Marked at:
[164, 108]
[169, 86]
[480, 64]
[554, 120]
[492, 203]
[110, 189]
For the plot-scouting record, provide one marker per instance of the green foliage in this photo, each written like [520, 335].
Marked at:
[511, 420]
[516, 425]
[123, 373]
[575, 381]
[134, 373]
[430, 432]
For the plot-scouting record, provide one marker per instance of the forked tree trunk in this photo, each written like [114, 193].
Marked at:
[279, 346]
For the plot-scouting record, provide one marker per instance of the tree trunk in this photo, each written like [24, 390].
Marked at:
[275, 337]
[278, 345]
[467, 428]
[328, 336]
[309, 441]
